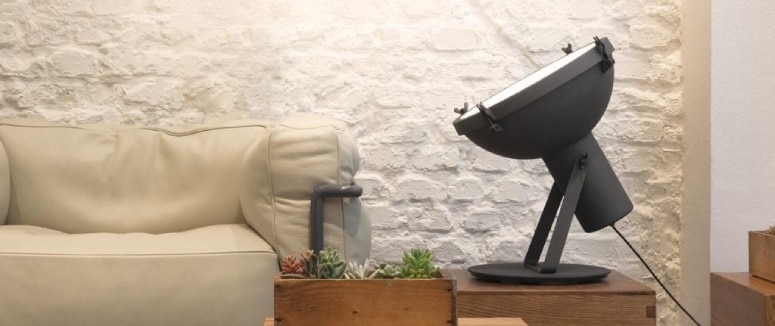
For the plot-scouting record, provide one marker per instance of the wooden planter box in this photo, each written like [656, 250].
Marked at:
[761, 255]
[365, 302]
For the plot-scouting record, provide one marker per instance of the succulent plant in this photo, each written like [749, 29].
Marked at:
[327, 265]
[418, 263]
[310, 261]
[292, 265]
[386, 271]
[357, 271]
[771, 230]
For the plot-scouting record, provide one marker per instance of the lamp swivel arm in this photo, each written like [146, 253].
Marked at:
[557, 243]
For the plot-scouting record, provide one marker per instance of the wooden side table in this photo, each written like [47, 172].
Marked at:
[618, 300]
[741, 299]
[464, 322]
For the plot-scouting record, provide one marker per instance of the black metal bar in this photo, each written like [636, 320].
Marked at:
[560, 234]
[544, 227]
[564, 219]
[320, 193]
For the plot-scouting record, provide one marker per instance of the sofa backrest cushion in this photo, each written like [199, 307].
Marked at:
[125, 179]
[279, 175]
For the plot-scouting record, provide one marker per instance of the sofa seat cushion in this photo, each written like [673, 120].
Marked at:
[214, 275]
[215, 239]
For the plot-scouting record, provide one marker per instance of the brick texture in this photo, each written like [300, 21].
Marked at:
[393, 70]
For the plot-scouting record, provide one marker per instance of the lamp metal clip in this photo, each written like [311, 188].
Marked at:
[491, 120]
[608, 59]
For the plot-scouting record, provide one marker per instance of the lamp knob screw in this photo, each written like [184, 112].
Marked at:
[568, 49]
[462, 110]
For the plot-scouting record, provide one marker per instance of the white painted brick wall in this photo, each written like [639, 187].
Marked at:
[394, 71]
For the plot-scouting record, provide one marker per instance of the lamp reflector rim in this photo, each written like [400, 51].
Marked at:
[532, 79]
[532, 87]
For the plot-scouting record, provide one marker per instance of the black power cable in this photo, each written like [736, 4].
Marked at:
[655, 276]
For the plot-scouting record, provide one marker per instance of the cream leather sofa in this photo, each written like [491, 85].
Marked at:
[106, 225]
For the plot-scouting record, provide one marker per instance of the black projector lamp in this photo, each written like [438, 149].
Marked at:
[550, 115]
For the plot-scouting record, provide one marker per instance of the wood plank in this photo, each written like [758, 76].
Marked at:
[491, 322]
[464, 322]
[761, 255]
[615, 283]
[741, 299]
[618, 300]
[769, 314]
[364, 302]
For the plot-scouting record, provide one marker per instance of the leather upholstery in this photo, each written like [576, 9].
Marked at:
[215, 275]
[108, 179]
[112, 225]
[280, 170]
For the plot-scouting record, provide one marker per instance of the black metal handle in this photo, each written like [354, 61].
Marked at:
[316, 209]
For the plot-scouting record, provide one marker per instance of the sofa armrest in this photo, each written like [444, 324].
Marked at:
[279, 175]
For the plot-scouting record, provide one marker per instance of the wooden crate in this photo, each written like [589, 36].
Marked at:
[741, 299]
[761, 255]
[365, 302]
[618, 300]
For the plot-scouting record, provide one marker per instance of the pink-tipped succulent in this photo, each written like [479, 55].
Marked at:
[291, 265]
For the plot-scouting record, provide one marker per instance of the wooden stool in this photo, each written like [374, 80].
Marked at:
[617, 300]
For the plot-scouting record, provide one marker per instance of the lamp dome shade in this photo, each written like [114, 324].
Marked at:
[550, 115]
[547, 111]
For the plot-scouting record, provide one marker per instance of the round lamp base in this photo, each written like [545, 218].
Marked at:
[517, 273]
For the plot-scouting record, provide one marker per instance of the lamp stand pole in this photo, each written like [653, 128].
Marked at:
[544, 226]
[550, 271]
